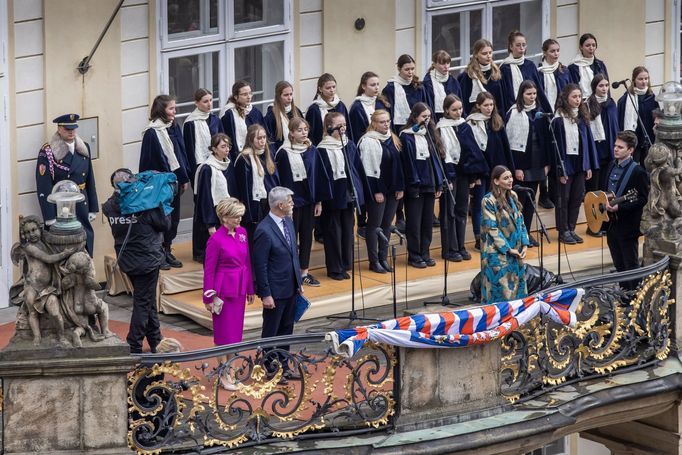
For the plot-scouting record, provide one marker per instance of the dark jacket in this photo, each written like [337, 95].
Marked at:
[625, 222]
[358, 119]
[451, 87]
[275, 263]
[153, 159]
[189, 136]
[314, 118]
[143, 252]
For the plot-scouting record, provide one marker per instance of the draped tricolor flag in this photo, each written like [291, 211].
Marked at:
[461, 328]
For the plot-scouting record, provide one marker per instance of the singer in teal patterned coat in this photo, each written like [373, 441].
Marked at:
[504, 241]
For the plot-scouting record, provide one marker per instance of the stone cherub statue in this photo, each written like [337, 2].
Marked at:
[57, 289]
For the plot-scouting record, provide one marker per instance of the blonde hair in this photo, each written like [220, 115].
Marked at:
[375, 119]
[229, 207]
[474, 68]
[279, 110]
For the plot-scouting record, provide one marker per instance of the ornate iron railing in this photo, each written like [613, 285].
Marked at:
[615, 329]
[177, 402]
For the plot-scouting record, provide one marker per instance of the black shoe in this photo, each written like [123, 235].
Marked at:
[477, 245]
[546, 203]
[594, 234]
[310, 281]
[400, 225]
[361, 231]
[172, 260]
[199, 259]
[532, 241]
[336, 276]
[164, 265]
[465, 254]
[376, 267]
[417, 264]
[567, 238]
[430, 262]
[346, 276]
[576, 237]
[455, 257]
[436, 222]
[384, 263]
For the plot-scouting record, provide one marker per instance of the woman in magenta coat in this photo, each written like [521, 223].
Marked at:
[227, 274]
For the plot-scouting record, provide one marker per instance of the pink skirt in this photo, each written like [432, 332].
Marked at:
[228, 326]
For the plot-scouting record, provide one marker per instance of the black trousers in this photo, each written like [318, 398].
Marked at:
[144, 322]
[419, 226]
[599, 177]
[304, 218]
[625, 254]
[379, 215]
[572, 195]
[477, 193]
[200, 237]
[338, 231]
[276, 322]
[453, 229]
[170, 234]
[525, 200]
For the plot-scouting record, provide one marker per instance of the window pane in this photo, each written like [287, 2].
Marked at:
[449, 32]
[188, 73]
[262, 66]
[526, 17]
[192, 18]
[249, 14]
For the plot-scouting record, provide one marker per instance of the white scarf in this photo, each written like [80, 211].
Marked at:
[295, 154]
[631, 108]
[401, 108]
[161, 129]
[372, 151]
[368, 104]
[324, 105]
[596, 125]
[477, 121]
[285, 122]
[572, 133]
[547, 71]
[258, 180]
[518, 128]
[515, 67]
[476, 85]
[239, 124]
[439, 94]
[202, 135]
[453, 149]
[334, 148]
[422, 147]
[218, 181]
[586, 73]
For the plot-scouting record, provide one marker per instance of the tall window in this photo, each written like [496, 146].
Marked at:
[454, 25]
[214, 43]
[677, 39]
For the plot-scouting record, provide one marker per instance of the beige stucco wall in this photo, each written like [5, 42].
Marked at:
[348, 52]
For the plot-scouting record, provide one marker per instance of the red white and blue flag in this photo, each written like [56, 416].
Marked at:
[456, 329]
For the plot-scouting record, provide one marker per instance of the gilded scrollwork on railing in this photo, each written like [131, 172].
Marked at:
[277, 394]
[615, 329]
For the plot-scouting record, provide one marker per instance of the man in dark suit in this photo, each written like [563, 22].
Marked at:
[276, 266]
[623, 232]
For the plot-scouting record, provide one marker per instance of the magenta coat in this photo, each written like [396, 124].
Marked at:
[227, 270]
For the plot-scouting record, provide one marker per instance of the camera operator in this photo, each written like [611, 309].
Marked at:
[137, 240]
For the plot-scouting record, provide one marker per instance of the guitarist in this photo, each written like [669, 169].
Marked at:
[623, 230]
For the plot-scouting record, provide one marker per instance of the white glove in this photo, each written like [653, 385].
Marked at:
[92, 216]
[50, 222]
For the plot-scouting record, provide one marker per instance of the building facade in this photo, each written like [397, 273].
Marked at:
[176, 46]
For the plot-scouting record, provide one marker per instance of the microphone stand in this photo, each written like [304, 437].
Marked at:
[560, 172]
[543, 235]
[647, 139]
[394, 282]
[353, 315]
[444, 300]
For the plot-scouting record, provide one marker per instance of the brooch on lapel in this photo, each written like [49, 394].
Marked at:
[242, 238]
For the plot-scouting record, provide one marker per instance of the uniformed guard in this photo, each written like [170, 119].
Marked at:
[67, 157]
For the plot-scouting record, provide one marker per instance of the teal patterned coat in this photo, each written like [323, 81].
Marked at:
[502, 275]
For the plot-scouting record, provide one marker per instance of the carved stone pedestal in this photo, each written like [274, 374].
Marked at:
[62, 401]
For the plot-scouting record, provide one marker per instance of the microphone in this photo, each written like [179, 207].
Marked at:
[417, 126]
[381, 235]
[398, 233]
[523, 189]
[619, 83]
[331, 130]
[539, 115]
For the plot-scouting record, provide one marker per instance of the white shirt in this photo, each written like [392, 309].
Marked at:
[279, 222]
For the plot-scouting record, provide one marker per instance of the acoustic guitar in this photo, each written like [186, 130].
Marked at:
[595, 206]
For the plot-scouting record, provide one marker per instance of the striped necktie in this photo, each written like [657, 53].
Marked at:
[287, 236]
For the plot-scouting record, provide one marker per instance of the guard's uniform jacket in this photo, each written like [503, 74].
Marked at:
[56, 163]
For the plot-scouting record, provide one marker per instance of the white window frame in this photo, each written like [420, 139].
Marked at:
[677, 41]
[6, 192]
[440, 7]
[167, 43]
[234, 34]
